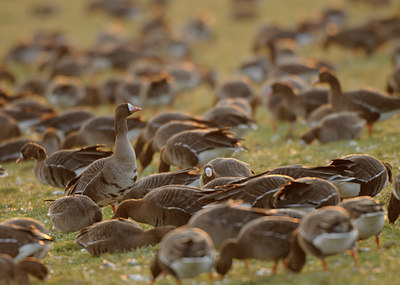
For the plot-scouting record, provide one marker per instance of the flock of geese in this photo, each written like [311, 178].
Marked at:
[213, 208]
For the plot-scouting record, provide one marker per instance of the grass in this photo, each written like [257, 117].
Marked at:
[22, 195]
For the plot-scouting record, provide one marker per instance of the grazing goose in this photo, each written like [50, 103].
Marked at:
[369, 105]
[197, 147]
[335, 127]
[108, 179]
[235, 89]
[221, 181]
[65, 92]
[73, 213]
[155, 123]
[100, 130]
[225, 220]
[64, 123]
[159, 91]
[9, 127]
[165, 205]
[394, 202]
[27, 223]
[368, 215]
[20, 241]
[264, 238]
[198, 29]
[10, 150]
[61, 166]
[256, 191]
[301, 104]
[184, 253]
[3, 172]
[19, 272]
[318, 114]
[185, 75]
[323, 232]
[224, 167]
[118, 235]
[150, 182]
[163, 134]
[255, 68]
[306, 194]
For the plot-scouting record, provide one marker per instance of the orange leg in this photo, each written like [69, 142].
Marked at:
[369, 129]
[275, 268]
[355, 258]
[246, 264]
[113, 208]
[178, 282]
[211, 276]
[324, 264]
[285, 265]
[378, 243]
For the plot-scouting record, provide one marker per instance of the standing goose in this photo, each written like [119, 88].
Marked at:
[61, 166]
[394, 203]
[150, 182]
[184, 253]
[73, 213]
[224, 167]
[335, 127]
[306, 194]
[165, 205]
[118, 235]
[265, 238]
[370, 105]
[108, 179]
[225, 220]
[197, 147]
[323, 232]
[368, 215]
[20, 242]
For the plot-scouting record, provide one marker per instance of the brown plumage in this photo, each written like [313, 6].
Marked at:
[225, 220]
[257, 191]
[197, 147]
[118, 235]
[150, 182]
[61, 166]
[221, 181]
[3, 172]
[9, 127]
[224, 167]
[184, 253]
[368, 215]
[306, 193]
[19, 271]
[394, 202]
[165, 205]
[20, 242]
[65, 92]
[369, 105]
[323, 232]
[27, 223]
[265, 238]
[393, 82]
[335, 127]
[73, 213]
[108, 179]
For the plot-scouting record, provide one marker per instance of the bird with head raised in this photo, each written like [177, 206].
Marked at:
[108, 179]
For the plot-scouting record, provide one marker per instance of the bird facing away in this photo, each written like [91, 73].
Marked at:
[108, 179]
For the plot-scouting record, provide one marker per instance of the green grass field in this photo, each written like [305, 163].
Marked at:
[22, 195]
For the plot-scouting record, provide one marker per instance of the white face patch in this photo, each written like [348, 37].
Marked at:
[131, 108]
[208, 171]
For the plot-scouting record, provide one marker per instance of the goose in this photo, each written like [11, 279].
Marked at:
[256, 191]
[394, 202]
[19, 271]
[155, 123]
[255, 68]
[185, 75]
[118, 235]
[323, 232]
[9, 127]
[61, 166]
[393, 82]
[369, 105]
[264, 238]
[184, 253]
[27, 223]
[150, 182]
[165, 205]
[164, 133]
[10, 150]
[65, 92]
[36, 85]
[224, 167]
[100, 130]
[198, 28]
[224, 220]
[239, 88]
[306, 194]
[108, 179]
[20, 241]
[368, 215]
[197, 147]
[73, 213]
[335, 127]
